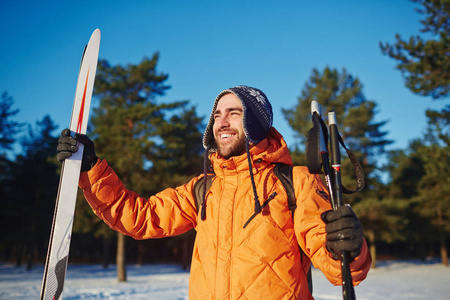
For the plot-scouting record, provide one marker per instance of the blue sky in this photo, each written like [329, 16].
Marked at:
[208, 46]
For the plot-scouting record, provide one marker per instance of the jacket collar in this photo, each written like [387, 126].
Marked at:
[273, 149]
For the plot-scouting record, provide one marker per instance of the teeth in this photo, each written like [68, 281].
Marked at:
[226, 135]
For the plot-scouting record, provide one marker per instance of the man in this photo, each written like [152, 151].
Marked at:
[247, 244]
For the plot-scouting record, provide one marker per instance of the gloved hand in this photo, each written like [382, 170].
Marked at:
[67, 145]
[344, 232]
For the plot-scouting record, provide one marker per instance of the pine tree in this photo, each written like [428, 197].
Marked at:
[149, 144]
[343, 93]
[35, 185]
[434, 186]
[425, 63]
[420, 176]
[8, 126]
[125, 123]
[405, 169]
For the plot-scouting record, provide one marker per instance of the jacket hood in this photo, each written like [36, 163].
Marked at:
[272, 149]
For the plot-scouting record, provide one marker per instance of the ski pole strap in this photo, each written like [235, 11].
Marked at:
[314, 151]
[357, 168]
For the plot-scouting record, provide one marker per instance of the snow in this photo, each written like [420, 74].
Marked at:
[390, 280]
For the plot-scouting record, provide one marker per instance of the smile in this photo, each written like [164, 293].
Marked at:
[226, 135]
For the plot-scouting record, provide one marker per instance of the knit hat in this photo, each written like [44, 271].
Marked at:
[257, 119]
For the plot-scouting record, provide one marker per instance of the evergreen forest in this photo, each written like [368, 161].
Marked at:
[153, 145]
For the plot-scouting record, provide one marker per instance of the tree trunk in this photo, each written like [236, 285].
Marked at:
[373, 249]
[444, 253]
[140, 253]
[19, 248]
[106, 251]
[441, 222]
[30, 256]
[120, 258]
[373, 253]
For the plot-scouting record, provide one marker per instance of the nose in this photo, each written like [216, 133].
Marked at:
[221, 121]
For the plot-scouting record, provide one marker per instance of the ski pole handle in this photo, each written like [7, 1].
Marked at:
[317, 108]
[348, 291]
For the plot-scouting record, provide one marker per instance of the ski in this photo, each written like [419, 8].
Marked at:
[61, 232]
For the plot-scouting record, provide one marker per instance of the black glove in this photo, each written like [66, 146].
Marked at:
[67, 145]
[344, 232]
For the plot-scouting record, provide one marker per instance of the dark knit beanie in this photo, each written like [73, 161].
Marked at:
[257, 119]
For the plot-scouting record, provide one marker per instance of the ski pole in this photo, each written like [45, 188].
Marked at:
[318, 141]
[316, 111]
[348, 291]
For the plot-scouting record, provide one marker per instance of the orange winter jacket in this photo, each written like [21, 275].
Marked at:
[260, 261]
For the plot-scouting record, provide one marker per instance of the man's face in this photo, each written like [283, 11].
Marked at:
[228, 127]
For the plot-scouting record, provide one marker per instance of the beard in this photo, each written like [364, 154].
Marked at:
[235, 149]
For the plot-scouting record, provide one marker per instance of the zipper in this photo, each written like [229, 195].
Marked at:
[262, 207]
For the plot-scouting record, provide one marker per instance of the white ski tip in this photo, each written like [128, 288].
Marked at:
[315, 107]
[96, 32]
[331, 118]
[95, 37]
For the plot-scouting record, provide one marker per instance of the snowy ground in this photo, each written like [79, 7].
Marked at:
[391, 280]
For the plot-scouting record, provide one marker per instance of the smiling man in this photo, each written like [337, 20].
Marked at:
[249, 244]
